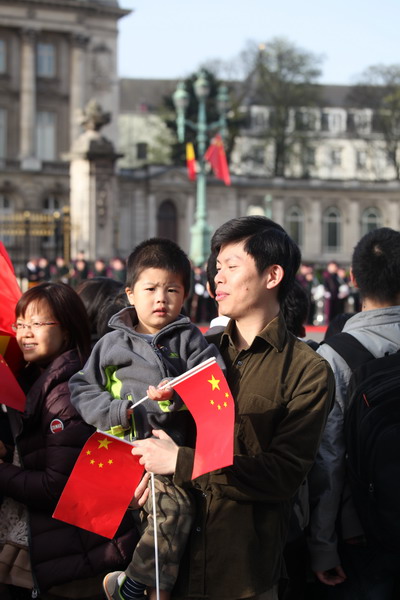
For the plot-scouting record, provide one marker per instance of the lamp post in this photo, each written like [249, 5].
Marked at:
[200, 231]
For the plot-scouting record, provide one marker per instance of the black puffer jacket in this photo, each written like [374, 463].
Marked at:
[49, 437]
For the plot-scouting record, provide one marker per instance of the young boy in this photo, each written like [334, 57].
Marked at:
[151, 341]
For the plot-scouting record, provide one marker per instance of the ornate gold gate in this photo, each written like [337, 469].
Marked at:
[28, 234]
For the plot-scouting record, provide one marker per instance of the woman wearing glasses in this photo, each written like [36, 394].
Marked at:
[39, 553]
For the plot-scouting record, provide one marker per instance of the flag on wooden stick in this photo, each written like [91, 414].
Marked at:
[206, 394]
[101, 485]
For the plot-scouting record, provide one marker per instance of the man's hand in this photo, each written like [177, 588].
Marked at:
[141, 493]
[159, 454]
[331, 577]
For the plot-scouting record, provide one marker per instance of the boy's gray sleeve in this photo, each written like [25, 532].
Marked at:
[200, 350]
[91, 398]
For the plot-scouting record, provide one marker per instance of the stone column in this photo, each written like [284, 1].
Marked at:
[78, 84]
[28, 101]
[93, 199]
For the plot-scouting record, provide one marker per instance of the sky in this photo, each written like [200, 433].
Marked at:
[168, 39]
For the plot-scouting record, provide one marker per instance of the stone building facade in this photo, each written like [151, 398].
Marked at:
[56, 55]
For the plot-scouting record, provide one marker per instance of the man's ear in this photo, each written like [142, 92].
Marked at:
[275, 274]
[352, 278]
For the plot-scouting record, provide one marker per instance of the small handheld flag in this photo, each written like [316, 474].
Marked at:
[101, 485]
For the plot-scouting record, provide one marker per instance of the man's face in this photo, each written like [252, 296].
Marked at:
[240, 289]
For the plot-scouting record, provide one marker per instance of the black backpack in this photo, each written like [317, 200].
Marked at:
[372, 437]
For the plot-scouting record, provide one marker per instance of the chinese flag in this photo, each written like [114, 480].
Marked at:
[101, 485]
[205, 392]
[190, 161]
[215, 154]
[9, 296]
[11, 394]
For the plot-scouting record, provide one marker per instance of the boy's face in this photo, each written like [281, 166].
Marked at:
[158, 297]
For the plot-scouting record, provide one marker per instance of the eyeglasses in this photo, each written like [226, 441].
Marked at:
[19, 326]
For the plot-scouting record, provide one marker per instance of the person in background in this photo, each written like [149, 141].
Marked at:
[348, 565]
[43, 556]
[283, 392]
[102, 298]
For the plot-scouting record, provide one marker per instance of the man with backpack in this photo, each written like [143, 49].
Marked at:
[355, 483]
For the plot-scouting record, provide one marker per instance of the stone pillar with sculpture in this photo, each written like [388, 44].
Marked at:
[93, 195]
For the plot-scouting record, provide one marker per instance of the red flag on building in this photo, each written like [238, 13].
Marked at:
[101, 485]
[215, 154]
[191, 161]
[206, 393]
[11, 394]
[9, 296]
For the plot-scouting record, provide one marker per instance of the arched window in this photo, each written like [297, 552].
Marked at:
[5, 206]
[51, 204]
[371, 219]
[167, 221]
[295, 224]
[332, 229]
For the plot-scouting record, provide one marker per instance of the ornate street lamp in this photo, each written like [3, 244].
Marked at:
[200, 231]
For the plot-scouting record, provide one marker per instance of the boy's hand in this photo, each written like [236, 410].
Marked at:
[155, 393]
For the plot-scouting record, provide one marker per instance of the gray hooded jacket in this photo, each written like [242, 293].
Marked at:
[121, 367]
[379, 331]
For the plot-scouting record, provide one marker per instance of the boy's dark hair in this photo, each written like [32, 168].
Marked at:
[376, 265]
[268, 244]
[67, 308]
[295, 309]
[158, 253]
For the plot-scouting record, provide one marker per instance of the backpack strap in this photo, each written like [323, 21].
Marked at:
[350, 349]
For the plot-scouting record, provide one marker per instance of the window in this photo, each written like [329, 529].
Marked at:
[371, 219]
[46, 135]
[3, 133]
[51, 204]
[141, 151]
[3, 57]
[167, 221]
[305, 120]
[331, 227]
[46, 60]
[5, 209]
[361, 159]
[336, 157]
[295, 224]
[310, 156]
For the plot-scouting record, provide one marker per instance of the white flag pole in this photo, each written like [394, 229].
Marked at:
[182, 377]
[153, 494]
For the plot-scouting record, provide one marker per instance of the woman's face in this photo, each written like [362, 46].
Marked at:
[40, 344]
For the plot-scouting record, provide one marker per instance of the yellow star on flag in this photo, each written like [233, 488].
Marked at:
[88, 452]
[214, 382]
[100, 465]
[104, 443]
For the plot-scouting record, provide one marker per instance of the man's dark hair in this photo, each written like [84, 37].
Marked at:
[267, 243]
[376, 265]
[158, 253]
[295, 309]
[211, 271]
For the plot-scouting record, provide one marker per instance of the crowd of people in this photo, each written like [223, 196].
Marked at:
[282, 522]
[329, 290]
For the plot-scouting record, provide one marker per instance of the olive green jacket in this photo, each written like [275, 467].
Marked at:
[283, 392]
